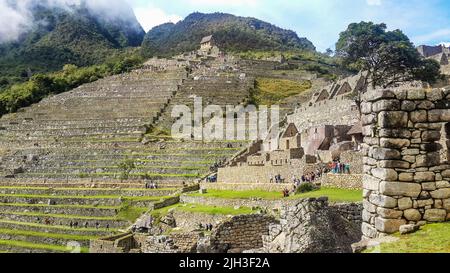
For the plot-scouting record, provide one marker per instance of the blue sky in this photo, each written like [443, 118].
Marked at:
[424, 21]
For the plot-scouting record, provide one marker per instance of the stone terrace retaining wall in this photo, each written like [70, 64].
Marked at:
[246, 186]
[343, 181]
[242, 232]
[407, 180]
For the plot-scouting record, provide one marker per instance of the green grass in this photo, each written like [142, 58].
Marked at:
[85, 189]
[30, 245]
[205, 209]
[272, 91]
[62, 216]
[131, 198]
[432, 238]
[58, 206]
[36, 225]
[334, 195]
[46, 235]
[130, 213]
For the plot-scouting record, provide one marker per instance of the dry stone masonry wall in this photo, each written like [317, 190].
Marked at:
[406, 166]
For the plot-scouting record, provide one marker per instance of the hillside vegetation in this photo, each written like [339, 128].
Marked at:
[231, 33]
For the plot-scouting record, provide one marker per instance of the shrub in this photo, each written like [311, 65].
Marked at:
[305, 187]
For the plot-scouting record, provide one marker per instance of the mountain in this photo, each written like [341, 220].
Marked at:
[230, 32]
[60, 35]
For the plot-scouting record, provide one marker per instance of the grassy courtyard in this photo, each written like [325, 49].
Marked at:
[334, 195]
[433, 238]
[198, 208]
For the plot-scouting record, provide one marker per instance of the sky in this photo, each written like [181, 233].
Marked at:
[321, 21]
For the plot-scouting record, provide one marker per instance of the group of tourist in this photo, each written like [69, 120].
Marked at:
[75, 224]
[151, 185]
[207, 227]
[277, 179]
[337, 167]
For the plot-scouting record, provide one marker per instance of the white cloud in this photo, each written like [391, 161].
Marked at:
[447, 44]
[435, 35]
[16, 17]
[13, 20]
[374, 2]
[150, 16]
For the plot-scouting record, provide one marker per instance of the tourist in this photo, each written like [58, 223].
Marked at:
[86, 225]
[71, 224]
[75, 225]
[97, 225]
[347, 168]
[107, 227]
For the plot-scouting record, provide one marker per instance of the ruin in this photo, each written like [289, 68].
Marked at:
[406, 181]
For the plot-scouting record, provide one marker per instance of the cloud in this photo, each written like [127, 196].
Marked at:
[221, 3]
[150, 16]
[439, 34]
[16, 16]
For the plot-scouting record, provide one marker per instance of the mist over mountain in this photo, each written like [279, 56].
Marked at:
[230, 32]
[45, 35]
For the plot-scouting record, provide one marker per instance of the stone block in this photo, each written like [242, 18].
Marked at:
[442, 184]
[405, 203]
[385, 174]
[371, 183]
[407, 229]
[394, 143]
[388, 225]
[412, 215]
[385, 154]
[419, 116]
[393, 119]
[395, 133]
[446, 204]
[435, 215]
[386, 105]
[383, 201]
[439, 115]
[368, 230]
[427, 105]
[422, 203]
[441, 193]
[400, 189]
[389, 213]
[408, 105]
[429, 186]
[430, 136]
[435, 95]
[406, 177]
[428, 160]
[416, 94]
[424, 176]
[375, 95]
[395, 164]
[369, 206]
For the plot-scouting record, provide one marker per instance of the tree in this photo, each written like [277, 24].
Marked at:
[127, 166]
[329, 52]
[388, 57]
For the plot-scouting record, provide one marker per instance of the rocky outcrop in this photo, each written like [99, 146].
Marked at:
[311, 226]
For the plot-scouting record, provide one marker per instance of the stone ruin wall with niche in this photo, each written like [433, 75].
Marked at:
[407, 173]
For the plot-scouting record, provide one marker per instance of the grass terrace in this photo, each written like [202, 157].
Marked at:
[334, 195]
[29, 245]
[271, 91]
[197, 208]
[432, 238]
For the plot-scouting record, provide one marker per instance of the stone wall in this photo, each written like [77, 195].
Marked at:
[406, 181]
[310, 226]
[343, 181]
[350, 211]
[189, 221]
[242, 232]
[355, 159]
[262, 174]
[246, 186]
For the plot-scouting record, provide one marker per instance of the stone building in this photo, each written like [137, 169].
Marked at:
[207, 43]
[439, 53]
